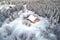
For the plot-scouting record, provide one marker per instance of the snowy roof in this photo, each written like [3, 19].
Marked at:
[32, 18]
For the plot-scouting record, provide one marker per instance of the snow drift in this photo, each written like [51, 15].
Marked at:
[22, 29]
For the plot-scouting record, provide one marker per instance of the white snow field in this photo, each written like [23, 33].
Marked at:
[23, 29]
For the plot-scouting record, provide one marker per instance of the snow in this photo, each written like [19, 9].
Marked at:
[18, 28]
[32, 18]
[4, 6]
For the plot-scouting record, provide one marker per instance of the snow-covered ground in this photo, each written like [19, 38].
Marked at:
[19, 30]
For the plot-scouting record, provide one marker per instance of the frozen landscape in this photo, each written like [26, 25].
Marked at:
[25, 22]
